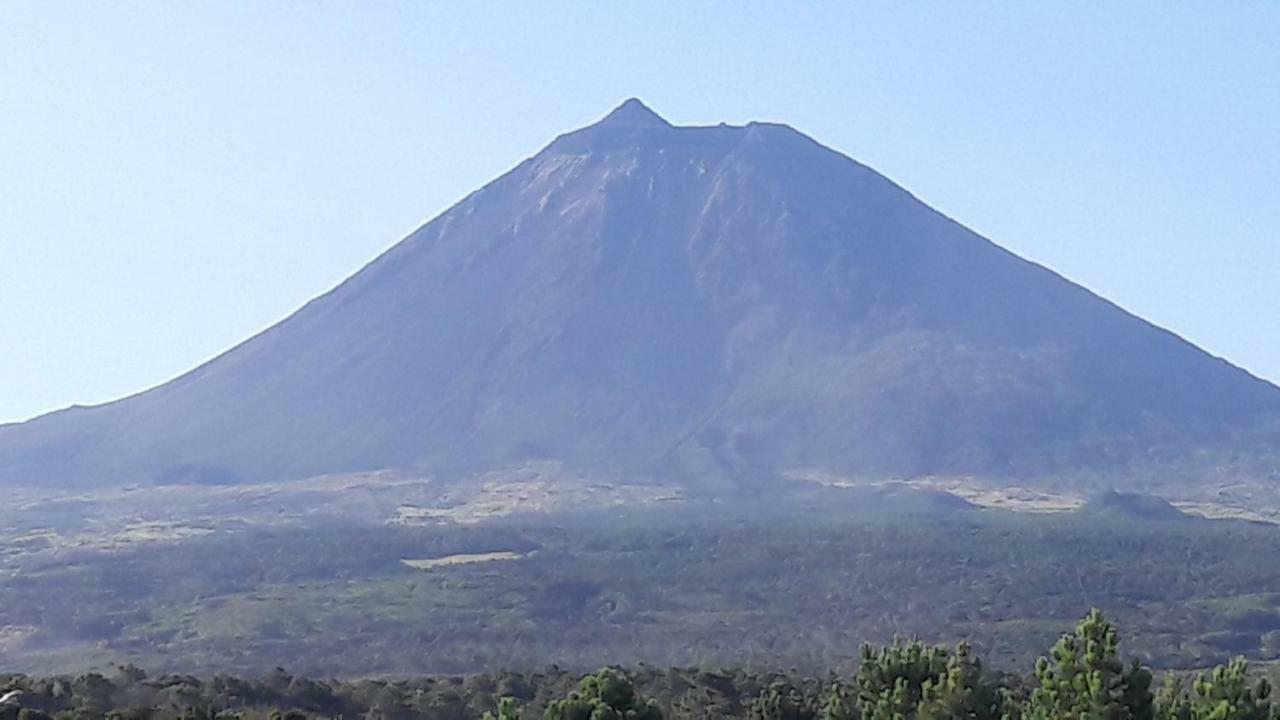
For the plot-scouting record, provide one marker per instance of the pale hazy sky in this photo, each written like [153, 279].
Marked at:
[175, 177]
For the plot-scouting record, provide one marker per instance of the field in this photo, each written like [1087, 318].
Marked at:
[793, 584]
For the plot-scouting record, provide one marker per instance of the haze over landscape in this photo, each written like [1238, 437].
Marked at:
[686, 420]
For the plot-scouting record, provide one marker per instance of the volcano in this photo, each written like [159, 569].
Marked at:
[709, 305]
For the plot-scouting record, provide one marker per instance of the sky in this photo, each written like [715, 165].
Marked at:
[175, 177]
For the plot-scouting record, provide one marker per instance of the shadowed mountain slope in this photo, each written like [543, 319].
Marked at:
[706, 303]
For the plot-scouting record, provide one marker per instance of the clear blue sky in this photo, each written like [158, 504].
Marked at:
[177, 176]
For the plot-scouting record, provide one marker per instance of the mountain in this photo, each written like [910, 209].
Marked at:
[716, 305]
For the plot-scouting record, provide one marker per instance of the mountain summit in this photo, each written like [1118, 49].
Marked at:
[709, 304]
[634, 112]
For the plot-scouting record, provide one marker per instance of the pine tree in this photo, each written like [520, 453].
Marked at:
[781, 700]
[604, 695]
[506, 710]
[913, 680]
[961, 692]
[1086, 680]
[1224, 694]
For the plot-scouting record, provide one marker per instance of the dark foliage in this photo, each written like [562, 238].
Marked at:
[1084, 678]
[761, 592]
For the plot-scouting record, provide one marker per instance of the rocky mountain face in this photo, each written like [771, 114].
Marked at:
[713, 305]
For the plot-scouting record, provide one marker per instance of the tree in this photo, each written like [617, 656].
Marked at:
[962, 691]
[604, 695]
[1085, 678]
[781, 700]
[1224, 694]
[506, 710]
[842, 702]
[914, 680]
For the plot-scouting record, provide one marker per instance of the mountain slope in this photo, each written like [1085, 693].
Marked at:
[696, 302]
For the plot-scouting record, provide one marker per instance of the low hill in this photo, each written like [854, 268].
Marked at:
[1131, 506]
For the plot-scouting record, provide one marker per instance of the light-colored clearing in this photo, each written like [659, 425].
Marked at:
[12, 636]
[461, 559]
[535, 487]
[156, 531]
[1215, 511]
[1018, 499]
[1032, 500]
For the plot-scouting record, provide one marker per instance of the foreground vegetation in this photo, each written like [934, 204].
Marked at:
[1083, 677]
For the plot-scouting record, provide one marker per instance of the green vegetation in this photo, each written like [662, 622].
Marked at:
[606, 695]
[800, 588]
[1083, 678]
[914, 679]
